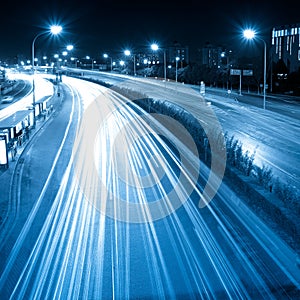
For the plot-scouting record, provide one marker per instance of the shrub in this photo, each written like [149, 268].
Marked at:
[264, 176]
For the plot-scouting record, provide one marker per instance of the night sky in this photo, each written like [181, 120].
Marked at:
[111, 26]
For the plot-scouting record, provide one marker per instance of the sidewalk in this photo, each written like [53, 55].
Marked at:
[6, 174]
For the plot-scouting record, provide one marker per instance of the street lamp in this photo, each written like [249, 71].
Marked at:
[177, 59]
[92, 60]
[111, 63]
[128, 53]
[75, 60]
[65, 54]
[55, 29]
[155, 47]
[70, 47]
[122, 63]
[250, 34]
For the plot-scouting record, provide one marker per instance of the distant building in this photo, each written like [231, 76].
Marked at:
[177, 50]
[286, 46]
[151, 57]
[215, 56]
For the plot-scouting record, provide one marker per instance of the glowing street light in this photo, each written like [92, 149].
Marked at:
[55, 29]
[66, 52]
[75, 60]
[250, 34]
[128, 53]
[105, 55]
[92, 60]
[155, 47]
[70, 47]
[177, 59]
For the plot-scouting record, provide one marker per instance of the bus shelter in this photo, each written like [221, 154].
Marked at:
[16, 128]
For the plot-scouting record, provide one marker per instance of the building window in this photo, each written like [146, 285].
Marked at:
[279, 48]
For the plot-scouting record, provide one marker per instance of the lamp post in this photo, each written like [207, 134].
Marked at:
[177, 59]
[250, 34]
[65, 54]
[111, 63]
[122, 63]
[92, 60]
[155, 47]
[69, 48]
[128, 53]
[55, 29]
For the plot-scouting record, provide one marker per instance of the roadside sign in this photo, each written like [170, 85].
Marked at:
[3, 151]
[235, 72]
[247, 72]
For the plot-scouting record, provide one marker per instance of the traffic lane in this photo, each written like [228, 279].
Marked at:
[83, 252]
[43, 163]
[284, 105]
[190, 253]
[275, 133]
[112, 79]
[22, 89]
[234, 284]
[275, 144]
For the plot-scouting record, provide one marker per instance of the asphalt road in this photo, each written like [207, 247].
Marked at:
[272, 134]
[108, 208]
[22, 88]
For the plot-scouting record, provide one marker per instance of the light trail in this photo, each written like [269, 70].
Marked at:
[84, 253]
[44, 87]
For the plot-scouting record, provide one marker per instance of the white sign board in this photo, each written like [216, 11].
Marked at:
[235, 72]
[247, 72]
[3, 151]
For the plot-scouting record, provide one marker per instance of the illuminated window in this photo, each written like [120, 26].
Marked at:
[279, 48]
[299, 54]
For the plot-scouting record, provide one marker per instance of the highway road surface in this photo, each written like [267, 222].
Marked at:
[105, 204]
